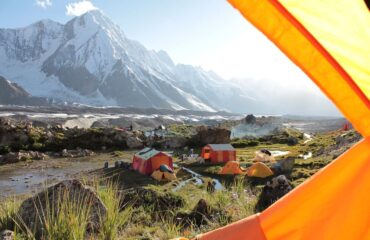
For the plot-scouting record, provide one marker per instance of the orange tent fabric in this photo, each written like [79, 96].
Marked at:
[232, 167]
[329, 40]
[149, 160]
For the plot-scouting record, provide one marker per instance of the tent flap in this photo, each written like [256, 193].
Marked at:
[344, 78]
[329, 41]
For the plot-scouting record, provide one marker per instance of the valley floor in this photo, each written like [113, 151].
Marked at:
[164, 210]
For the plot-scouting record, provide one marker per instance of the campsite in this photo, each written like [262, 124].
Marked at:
[184, 120]
[188, 190]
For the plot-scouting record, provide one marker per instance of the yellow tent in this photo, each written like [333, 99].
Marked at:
[260, 170]
[232, 167]
[160, 176]
[330, 41]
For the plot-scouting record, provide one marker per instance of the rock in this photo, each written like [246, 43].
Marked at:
[106, 165]
[64, 153]
[201, 214]
[347, 139]
[77, 153]
[250, 119]
[54, 197]
[319, 152]
[207, 135]
[126, 165]
[7, 235]
[211, 187]
[291, 141]
[284, 165]
[141, 197]
[272, 191]
[14, 157]
[118, 164]
[176, 141]
[134, 142]
[37, 155]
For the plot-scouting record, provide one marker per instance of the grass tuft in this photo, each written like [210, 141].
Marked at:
[115, 219]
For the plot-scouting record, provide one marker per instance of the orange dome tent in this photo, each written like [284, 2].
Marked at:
[329, 40]
[259, 170]
[232, 167]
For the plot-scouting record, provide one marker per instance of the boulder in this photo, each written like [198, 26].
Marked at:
[14, 157]
[76, 153]
[53, 199]
[250, 119]
[347, 139]
[37, 155]
[159, 202]
[210, 135]
[176, 141]
[272, 191]
[65, 153]
[7, 235]
[134, 142]
[202, 214]
[284, 165]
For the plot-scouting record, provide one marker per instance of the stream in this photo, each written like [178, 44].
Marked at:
[277, 153]
[306, 156]
[308, 138]
[197, 180]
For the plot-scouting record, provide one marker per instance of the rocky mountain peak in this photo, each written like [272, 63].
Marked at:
[89, 60]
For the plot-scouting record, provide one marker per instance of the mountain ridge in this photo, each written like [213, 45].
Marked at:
[13, 94]
[89, 60]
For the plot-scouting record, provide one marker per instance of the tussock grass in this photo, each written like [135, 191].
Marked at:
[8, 212]
[170, 228]
[68, 219]
[115, 219]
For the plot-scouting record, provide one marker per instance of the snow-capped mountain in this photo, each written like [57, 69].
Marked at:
[89, 60]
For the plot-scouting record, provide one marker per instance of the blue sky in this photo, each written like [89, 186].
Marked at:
[209, 33]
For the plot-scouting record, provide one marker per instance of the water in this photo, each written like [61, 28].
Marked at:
[197, 180]
[277, 153]
[308, 138]
[22, 178]
[306, 156]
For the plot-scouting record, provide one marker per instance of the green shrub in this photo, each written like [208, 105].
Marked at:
[5, 149]
[240, 143]
[37, 146]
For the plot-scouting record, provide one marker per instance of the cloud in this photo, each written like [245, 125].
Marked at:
[44, 3]
[79, 8]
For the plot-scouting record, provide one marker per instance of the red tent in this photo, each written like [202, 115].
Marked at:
[218, 153]
[148, 160]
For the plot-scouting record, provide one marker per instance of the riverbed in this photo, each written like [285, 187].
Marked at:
[29, 177]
